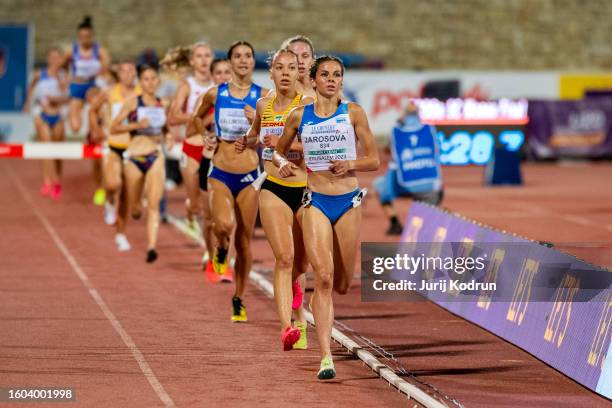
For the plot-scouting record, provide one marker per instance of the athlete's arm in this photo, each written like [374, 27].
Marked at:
[118, 125]
[104, 60]
[94, 116]
[28, 101]
[285, 167]
[369, 161]
[208, 101]
[176, 115]
[251, 136]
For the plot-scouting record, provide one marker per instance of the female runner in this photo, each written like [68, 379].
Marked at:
[190, 89]
[233, 200]
[330, 130]
[87, 60]
[51, 86]
[221, 72]
[280, 199]
[113, 100]
[303, 48]
[146, 119]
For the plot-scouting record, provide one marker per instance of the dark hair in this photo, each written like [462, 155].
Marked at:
[230, 51]
[272, 57]
[87, 23]
[299, 38]
[216, 61]
[145, 67]
[325, 58]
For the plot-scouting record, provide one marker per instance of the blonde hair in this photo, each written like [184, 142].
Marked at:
[180, 57]
[299, 38]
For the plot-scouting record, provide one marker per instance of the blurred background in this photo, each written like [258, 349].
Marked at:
[538, 69]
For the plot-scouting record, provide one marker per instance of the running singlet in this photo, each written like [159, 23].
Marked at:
[48, 86]
[85, 68]
[272, 124]
[415, 153]
[195, 91]
[230, 122]
[326, 139]
[156, 115]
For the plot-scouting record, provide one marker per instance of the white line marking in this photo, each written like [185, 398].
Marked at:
[379, 368]
[127, 340]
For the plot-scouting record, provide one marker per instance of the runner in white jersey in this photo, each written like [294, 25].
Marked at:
[48, 88]
[198, 57]
[330, 131]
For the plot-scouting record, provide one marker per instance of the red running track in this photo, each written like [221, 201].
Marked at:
[181, 326]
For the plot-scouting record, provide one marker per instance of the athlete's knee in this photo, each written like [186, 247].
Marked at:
[325, 278]
[223, 227]
[285, 260]
[243, 244]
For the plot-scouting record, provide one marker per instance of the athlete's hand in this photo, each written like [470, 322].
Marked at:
[287, 169]
[210, 141]
[267, 141]
[339, 167]
[240, 144]
[249, 112]
[143, 123]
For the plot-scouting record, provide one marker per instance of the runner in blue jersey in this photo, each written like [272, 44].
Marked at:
[414, 171]
[87, 60]
[233, 201]
[330, 131]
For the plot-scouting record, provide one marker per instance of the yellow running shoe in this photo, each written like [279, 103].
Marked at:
[220, 261]
[99, 197]
[238, 310]
[302, 343]
[327, 370]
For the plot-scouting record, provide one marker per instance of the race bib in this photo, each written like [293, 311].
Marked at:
[330, 140]
[232, 123]
[156, 116]
[87, 68]
[267, 153]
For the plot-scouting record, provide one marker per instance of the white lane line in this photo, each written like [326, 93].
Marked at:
[127, 339]
[379, 368]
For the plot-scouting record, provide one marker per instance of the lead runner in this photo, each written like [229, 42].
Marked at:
[330, 131]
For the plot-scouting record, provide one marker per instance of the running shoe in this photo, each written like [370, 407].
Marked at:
[238, 310]
[45, 189]
[56, 191]
[289, 337]
[151, 256]
[228, 276]
[210, 272]
[205, 260]
[327, 370]
[99, 197]
[395, 228]
[298, 295]
[193, 228]
[110, 214]
[302, 343]
[220, 261]
[122, 242]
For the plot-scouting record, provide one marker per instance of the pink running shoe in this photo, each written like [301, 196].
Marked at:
[56, 191]
[298, 296]
[45, 190]
[289, 337]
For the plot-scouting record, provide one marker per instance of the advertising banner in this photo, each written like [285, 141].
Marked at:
[571, 128]
[552, 305]
[15, 64]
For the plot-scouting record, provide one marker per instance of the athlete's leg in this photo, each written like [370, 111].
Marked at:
[346, 245]
[222, 207]
[43, 134]
[113, 176]
[319, 243]
[246, 212]
[75, 111]
[58, 135]
[277, 221]
[154, 187]
[134, 183]
[191, 179]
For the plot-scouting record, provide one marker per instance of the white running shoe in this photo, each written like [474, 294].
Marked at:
[122, 242]
[110, 214]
